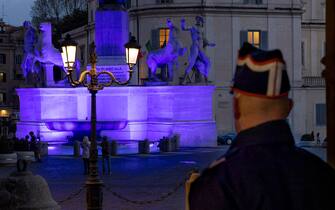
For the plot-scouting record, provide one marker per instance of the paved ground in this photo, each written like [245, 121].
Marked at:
[137, 177]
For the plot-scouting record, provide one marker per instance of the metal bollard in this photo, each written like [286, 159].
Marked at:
[146, 146]
[143, 147]
[113, 148]
[76, 149]
[169, 145]
[177, 141]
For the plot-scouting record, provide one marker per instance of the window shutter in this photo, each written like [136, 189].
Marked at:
[4, 98]
[4, 77]
[243, 37]
[155, 39]
[321, 114]
[264, 40]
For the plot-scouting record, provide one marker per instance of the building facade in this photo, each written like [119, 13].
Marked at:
[11, 53]
[295, 27]
[313, 47]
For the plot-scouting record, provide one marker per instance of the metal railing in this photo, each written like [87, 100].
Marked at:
[314, 82]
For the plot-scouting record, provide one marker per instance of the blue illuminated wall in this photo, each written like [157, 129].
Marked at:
[124, 113]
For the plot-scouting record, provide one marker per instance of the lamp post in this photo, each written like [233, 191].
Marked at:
[94, 184]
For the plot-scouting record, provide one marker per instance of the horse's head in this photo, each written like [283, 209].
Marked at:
[27, 24]
[45, 27]
[169, 23]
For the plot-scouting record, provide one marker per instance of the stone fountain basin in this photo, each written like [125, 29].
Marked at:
[85, 125]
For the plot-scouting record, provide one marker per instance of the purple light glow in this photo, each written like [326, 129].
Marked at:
[85, 125]
[123, 113]
[51, 148]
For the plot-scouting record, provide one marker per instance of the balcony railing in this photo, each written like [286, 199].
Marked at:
[314, 82]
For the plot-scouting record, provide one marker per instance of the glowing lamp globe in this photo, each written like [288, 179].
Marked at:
[69, 48]
[132, 51]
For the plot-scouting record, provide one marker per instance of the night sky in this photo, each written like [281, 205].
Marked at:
[16, 11]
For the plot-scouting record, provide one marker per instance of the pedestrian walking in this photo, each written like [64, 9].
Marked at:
[318, 141]
[312, 136]
[86, 153]
[263, 169]
[105, 148]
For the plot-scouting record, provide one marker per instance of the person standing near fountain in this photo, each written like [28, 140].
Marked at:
[34, 146]
[86, 153]
[105, 149]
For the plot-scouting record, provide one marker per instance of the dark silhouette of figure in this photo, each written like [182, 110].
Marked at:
[312, 136]
[318, 141]
[263, 169]
[105, 148]
[86, 153]
[35, 146]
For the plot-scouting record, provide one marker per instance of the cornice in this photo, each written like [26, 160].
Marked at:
[197, 9]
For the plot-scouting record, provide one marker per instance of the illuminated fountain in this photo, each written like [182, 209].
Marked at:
[130, 113]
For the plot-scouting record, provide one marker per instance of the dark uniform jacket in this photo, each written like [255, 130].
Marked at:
[264, 170]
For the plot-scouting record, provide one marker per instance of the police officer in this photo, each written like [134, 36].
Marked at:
[263, 169]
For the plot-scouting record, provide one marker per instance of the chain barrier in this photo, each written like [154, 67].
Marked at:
[146, 202]
[72, 195]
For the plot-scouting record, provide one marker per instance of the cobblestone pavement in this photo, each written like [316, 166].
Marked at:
[137, 177]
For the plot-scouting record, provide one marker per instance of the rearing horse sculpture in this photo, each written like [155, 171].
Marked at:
[39, 48]
[166, 55]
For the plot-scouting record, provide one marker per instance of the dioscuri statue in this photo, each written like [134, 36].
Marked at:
[167, 55]
[197, 59]
[38, 48]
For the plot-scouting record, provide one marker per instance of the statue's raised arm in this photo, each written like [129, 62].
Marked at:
[183, 25]
[206, 43]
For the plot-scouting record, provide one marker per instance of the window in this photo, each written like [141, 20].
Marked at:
[2, 58]
[2, 98]
[255, 37]
[2, 77]
[252, 1]
[163, 36]
[18, 59]
[303, 53]
[320, 112]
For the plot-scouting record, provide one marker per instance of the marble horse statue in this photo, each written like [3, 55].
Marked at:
[38, 49]
[197, 59]
[167, 55]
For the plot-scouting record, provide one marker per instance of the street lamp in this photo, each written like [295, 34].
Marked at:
[94, 194]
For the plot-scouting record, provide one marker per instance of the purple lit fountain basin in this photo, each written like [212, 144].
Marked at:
[133, 113]
[85, 125]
